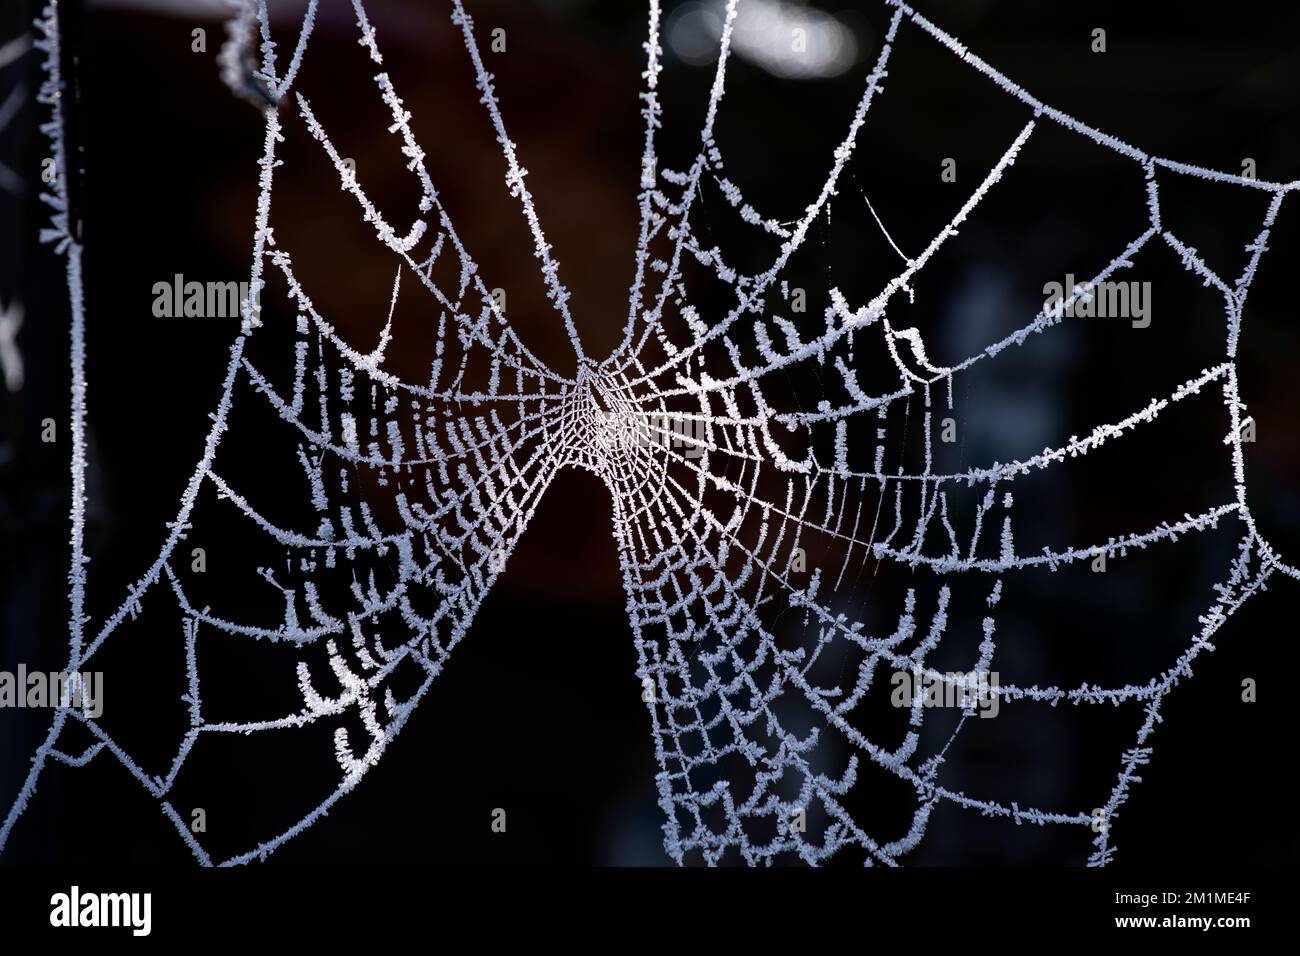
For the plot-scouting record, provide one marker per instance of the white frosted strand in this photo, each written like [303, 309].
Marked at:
[1079, 446]
[150, 783]
[186, 834]
[1233, 179]
[77, 574]
[89, 754]
[1229, 602]
[268, 44]
[430, 200]
[292, 538]
[239, 36]
[556, 291]
[1010, 561]
[955, 552]
[874, 215]
[697, 165]
[385, 336]
[1232, 399]
[192, 672]
[902, 280]
[385, 232]
[1083, 694]
[1110, 142]
[874, 310]
[304, 34]
[874, 84]
[1257, 248]
[1194, 263]
[52, 93]
[1153, 197]
[652, 115]
[263, 850]
[180, 525]
[262, 235]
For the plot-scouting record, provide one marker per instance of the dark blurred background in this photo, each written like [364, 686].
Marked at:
[538, 711]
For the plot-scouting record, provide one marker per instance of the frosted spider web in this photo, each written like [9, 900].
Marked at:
[729, 641]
